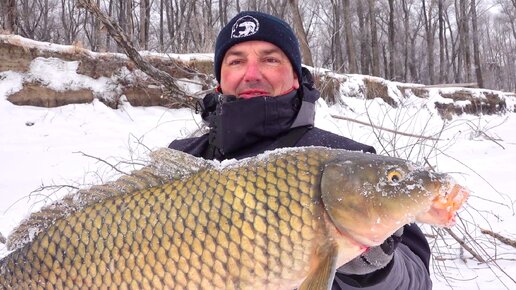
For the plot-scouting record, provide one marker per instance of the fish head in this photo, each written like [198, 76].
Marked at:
[368, 197]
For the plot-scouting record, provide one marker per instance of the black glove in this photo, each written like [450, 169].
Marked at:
[374, 258]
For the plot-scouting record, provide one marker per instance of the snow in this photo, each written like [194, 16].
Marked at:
[44, 148]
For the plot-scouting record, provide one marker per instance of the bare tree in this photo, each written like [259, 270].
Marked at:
[121, 38]
[9, 15]
[29, 16]
[375, 52]
[71, 19]
[144, 24]
[429, 29]
[393, 39]
[463, 30]
[223, 8]
[161, 25]
[125, 19]
[350, 46]
[336, 40]
[91, 28]
[476, 49]
[392, 43]
[301, 34]
[365, 55]
[442, 44]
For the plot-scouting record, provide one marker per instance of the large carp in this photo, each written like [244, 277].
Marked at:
[281, 220]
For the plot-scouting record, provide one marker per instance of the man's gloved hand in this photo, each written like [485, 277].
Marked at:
[374, 258]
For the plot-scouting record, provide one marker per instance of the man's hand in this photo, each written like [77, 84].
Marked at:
[374, 258]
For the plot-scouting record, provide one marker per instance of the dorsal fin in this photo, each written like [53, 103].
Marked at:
[165, 165]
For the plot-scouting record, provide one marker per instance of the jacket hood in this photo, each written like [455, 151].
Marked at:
[237, 123]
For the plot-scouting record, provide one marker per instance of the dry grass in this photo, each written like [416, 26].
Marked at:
[329, 88]
[377, 89]
[36, 94]
[489, 104]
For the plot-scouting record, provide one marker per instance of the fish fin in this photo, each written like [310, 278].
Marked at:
[165, 165]
[323, 270]
[174, 164]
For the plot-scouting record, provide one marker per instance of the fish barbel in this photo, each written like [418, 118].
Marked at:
[281, 220]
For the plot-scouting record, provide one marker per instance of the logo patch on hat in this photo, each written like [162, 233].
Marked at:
[245, 26]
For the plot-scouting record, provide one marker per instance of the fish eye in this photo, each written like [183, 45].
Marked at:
[394, 176]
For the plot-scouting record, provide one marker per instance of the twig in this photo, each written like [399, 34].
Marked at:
[481, 132]
[499, 237]
[35, 193]
[477, 174]
[103, 161]
[384, 129]
[464, 245]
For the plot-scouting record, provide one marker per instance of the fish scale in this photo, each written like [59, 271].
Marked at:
[281, 220]
[231, 229]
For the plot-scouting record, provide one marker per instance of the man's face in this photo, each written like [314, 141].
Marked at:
[256, 68]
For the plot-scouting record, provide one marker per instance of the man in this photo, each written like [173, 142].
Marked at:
[266, 100]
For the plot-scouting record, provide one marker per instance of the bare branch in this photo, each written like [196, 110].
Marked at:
[465, 246]
[103, 161]
[499, 237]
[120, 37]
[384, 129]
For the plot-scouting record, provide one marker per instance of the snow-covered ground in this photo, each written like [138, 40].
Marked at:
[44, 151]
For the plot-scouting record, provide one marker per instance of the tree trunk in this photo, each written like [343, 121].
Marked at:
[392, 44]
[338, 62]
[161, 25]
[97, 33]
[144, 24]
[66, 25]
[442, 71]
[465, 39]
[406, 31]
[375, 63]
[45, 35]
[92, 30]
[459, 51]
[350, 46]
[122, 18]
[427, 15]
[223, 6]
[10, 16]
[300, 32]
[365, 59]
[110, 14]
[385, 62]
[476, 50]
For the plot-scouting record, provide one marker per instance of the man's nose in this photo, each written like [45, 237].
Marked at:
[253, 72]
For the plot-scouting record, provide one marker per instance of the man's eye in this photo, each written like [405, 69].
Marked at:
[272, 60]
[234, 62]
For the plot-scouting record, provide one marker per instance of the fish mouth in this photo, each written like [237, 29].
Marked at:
[444, 206]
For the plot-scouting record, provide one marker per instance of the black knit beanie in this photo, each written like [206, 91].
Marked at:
[253, 25]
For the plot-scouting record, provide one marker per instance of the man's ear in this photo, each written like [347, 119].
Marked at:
[297, 82]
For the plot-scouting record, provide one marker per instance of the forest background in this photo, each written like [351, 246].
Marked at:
[416, 41]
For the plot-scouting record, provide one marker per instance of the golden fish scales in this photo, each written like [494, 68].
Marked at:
[281, 220]
[239, 228]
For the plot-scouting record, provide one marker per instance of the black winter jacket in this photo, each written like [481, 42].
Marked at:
[244, 128]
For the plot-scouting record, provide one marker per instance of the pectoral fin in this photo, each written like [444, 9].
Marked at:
[323, 269]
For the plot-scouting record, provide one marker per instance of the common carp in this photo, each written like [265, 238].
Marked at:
[282, 220]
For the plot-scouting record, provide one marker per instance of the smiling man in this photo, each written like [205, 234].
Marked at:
[266, 100]
[257, 68]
